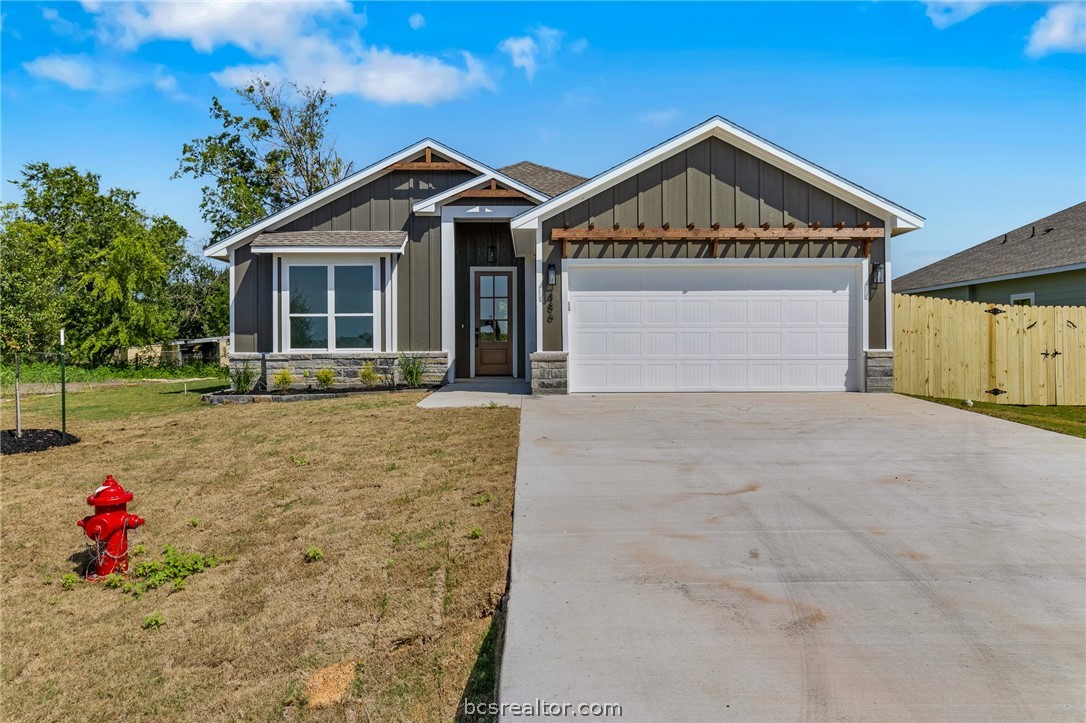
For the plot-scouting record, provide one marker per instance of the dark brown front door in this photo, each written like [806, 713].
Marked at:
[493, 323]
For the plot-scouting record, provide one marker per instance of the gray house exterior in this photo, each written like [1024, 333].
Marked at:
[1042, 263]
[715, 261]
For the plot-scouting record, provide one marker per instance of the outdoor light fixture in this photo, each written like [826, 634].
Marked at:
[878, 273]
[492, 254]
[551, 275]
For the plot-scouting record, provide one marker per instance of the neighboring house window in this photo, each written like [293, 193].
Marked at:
[331, 307]
[1022, 299]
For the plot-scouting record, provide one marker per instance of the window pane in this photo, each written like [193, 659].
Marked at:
[486, 285]
[354, 289]
[501, 286]
[501, 310]
[308, 289]
[309, 332]
[354, 332]
[503, 331]
[486, 309]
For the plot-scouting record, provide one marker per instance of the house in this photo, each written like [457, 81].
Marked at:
[1042, 263]
[715, 261]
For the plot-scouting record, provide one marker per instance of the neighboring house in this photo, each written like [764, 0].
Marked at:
[715, 261]
[1042, 264]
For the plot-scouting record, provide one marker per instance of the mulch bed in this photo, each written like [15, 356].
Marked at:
[33, 440]
[302, 395]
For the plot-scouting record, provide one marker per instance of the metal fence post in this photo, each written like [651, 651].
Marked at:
[63, 396]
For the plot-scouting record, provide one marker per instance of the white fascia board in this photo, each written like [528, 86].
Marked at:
[327, 249]
[432, 206]
[743, 139]
[346, 185]
[991, 279]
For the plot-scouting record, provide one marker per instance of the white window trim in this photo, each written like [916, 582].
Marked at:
[329, 264]
[513, 306]
[1028, 295]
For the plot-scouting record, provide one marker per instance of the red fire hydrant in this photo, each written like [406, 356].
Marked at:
[108, 527]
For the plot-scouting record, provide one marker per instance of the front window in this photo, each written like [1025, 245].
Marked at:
[331, 307]
[1022, 299]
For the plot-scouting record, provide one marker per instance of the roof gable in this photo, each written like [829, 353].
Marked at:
[220, 250]
[899, 217]
[1053, 242]
[474, 187]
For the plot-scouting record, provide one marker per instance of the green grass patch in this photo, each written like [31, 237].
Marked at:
[113, 403]
[41, 372]
[1065, 420]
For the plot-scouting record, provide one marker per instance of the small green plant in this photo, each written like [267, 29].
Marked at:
[283, 380]
[194, 522]
[154, 621]
[491, 405]
[392, 466]
[137, 550]
[298, 460]
[173, 568]
[313, 554]
[113, 581]
[476, 532]
[367, 375]
[70, 580]
[325, 379]
[412, 368]
[482, 499]
[242, 378]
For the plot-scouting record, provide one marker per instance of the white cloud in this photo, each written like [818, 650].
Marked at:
[659, 117]
[945, 13]
[286, 40]
[527, 52]
[63, 26]
[82, 72]
[1062, 29]
[416, 21]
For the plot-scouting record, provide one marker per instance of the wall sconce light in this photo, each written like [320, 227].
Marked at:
[552, 275]
[878, 273]
[492, 254]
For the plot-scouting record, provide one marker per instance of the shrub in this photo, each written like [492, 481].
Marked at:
[283, 380]
[367, 375]
[242, 378]
[325, 379]
[313, 553]
[411, 369]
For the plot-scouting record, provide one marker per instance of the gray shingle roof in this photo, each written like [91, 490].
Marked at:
[1050, 242]
[546, 180]
[331, 238]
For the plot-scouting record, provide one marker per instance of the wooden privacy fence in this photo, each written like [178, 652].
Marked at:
[989, 352]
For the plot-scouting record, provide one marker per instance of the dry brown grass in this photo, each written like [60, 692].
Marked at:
[389, 492]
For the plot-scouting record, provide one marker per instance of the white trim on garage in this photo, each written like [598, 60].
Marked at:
[848, 363]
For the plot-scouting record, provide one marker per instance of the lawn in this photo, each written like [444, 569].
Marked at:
[412, 510]
[1066, 420]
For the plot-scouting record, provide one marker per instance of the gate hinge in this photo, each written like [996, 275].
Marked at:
[995, 392]
[994, 311]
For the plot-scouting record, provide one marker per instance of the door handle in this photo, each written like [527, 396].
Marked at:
[476, 338]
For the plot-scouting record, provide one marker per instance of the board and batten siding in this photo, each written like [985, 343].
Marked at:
[1066, 288]
[252, 299]
[384, 204]
[710, 182]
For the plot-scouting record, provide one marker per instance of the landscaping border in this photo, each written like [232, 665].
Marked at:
[262, 397]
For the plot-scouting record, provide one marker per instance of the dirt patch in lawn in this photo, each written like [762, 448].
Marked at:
[411, 510]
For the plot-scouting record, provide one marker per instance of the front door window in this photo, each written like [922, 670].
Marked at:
[493, 330]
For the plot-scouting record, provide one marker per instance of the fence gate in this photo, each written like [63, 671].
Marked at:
[990, 352]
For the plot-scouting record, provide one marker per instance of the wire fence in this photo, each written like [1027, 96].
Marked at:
[40, 372]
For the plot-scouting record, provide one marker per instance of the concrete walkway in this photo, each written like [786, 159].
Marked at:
[795, 556]
[479, 392]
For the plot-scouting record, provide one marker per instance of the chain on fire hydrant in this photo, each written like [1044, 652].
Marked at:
[108, 528]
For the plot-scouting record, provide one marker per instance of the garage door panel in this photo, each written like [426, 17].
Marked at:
[713, 329]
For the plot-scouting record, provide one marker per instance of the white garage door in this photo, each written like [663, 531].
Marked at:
[666, 327]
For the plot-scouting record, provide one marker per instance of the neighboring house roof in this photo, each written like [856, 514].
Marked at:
[329, 240]
[548, 180]
[904, 219]
[1048, 244]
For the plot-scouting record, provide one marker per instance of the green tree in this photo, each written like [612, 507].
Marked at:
[200, 295]
[262, 163]
[88, 260]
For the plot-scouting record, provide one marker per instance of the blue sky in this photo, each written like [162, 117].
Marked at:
[972, 114]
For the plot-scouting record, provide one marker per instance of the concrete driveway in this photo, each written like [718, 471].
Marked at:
[795, 556]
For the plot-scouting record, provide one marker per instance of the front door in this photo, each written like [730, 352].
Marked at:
[493, 323]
